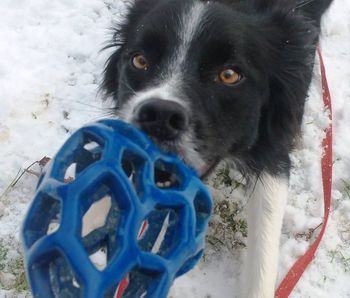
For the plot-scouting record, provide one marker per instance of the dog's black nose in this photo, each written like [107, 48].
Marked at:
[163, 119]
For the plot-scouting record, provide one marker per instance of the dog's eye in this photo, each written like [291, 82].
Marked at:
[229, 76]
[140, 62]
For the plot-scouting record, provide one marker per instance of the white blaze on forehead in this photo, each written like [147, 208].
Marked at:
[191, 22]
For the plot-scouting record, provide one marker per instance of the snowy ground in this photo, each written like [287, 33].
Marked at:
[50, 67]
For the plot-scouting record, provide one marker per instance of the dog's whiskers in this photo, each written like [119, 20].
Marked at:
[96, 108]
[303, 3]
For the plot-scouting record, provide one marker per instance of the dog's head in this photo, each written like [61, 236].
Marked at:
[211, 79]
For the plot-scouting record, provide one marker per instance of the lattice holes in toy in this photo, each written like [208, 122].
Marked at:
[113, 217]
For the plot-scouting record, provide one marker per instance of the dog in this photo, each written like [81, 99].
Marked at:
[222, 80]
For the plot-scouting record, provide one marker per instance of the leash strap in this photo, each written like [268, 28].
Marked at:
[295, 273]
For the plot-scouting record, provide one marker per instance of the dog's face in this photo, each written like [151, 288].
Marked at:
[196, 76]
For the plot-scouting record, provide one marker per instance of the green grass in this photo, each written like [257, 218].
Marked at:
[14, 266]
[227, 228]
[21, 283]
[3, 256]
[337, 255]
[223, 178]
[228, 213]
[346, 188]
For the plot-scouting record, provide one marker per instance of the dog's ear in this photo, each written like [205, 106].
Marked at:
[109, 86]
[314, 9]
[287, 49]
[136, 9]
[121, 30]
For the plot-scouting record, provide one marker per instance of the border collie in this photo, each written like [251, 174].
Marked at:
[222, 80]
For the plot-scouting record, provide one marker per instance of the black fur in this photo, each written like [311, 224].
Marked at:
[272, 43]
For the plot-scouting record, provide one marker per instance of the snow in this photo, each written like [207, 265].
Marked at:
[50, 67]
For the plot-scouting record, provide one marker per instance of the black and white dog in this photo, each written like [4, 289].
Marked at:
[222, 79]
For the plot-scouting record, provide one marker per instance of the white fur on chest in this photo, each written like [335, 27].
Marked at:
[265, 215]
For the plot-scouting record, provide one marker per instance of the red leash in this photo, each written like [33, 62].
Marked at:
[295, 273]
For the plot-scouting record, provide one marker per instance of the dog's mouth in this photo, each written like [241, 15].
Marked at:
[165, 179]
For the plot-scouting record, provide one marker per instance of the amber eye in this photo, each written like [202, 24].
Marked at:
[140, 62]
[229, 76]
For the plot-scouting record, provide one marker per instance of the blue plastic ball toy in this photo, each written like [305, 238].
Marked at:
[153, 230]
